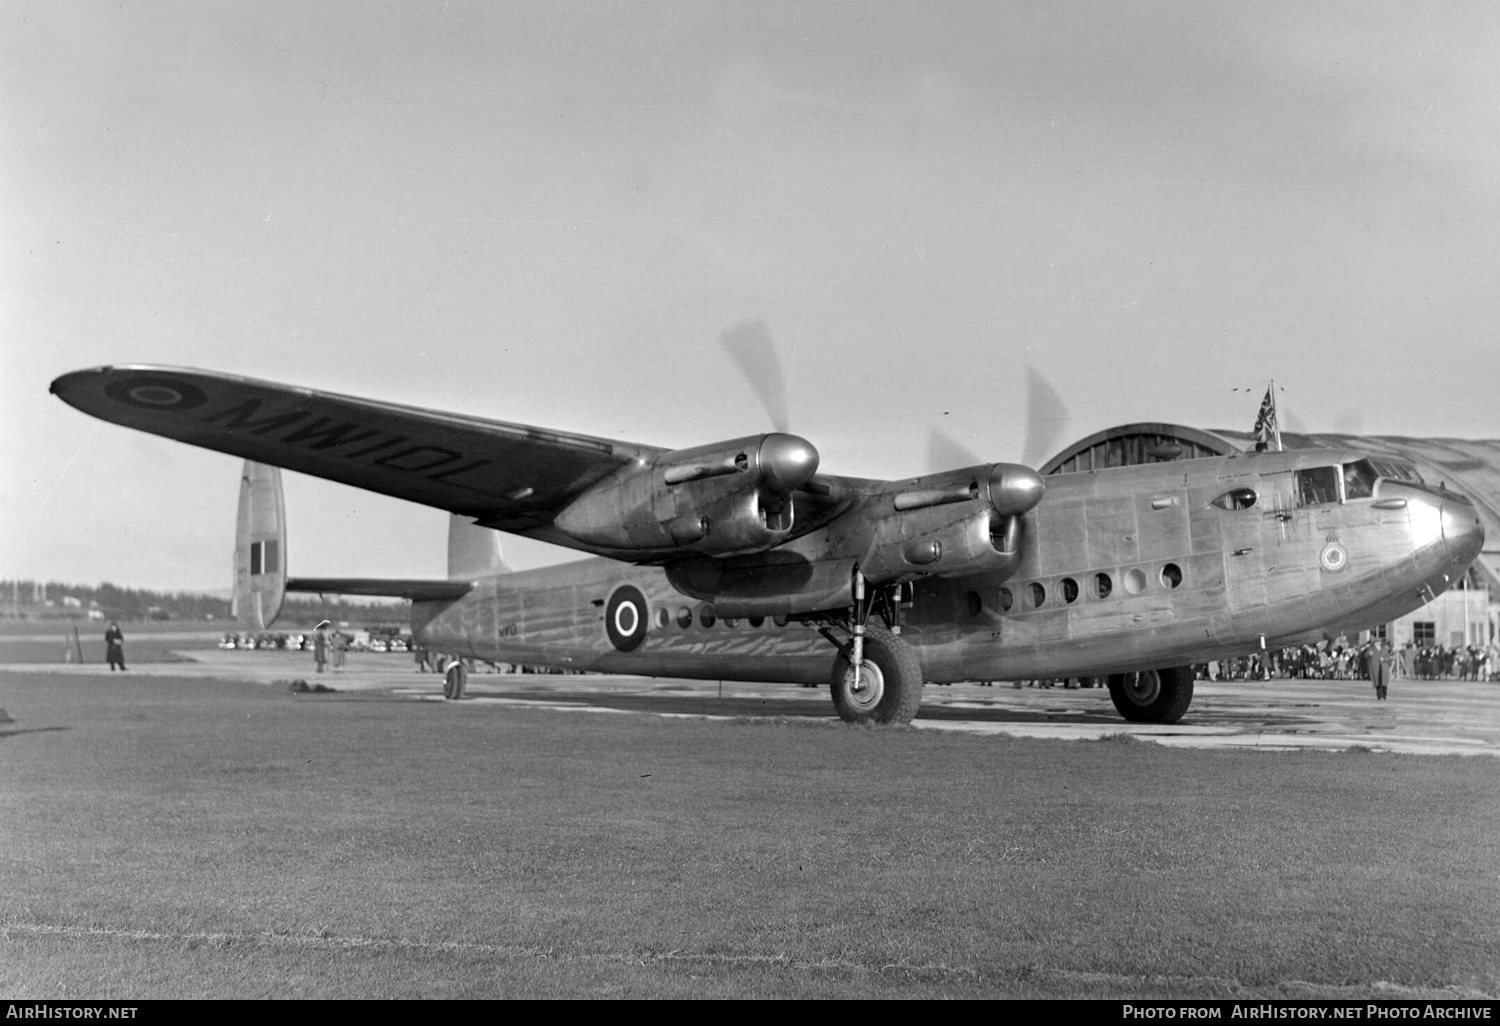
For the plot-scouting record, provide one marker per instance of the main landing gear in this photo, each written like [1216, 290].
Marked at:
[877, 677]
[1152, 696]
[888, 688]
[455, 680]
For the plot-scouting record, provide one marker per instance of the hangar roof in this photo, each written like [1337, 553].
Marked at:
[1469, 467]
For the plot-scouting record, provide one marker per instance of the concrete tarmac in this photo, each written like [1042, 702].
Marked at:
[1420, 717]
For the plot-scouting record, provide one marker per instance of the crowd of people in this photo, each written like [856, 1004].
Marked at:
[1337, 661]
[1341, 661]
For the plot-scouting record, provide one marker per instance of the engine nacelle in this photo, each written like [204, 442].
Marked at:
[957, 523]
[952, 524]
[966, 541]
[724, 499]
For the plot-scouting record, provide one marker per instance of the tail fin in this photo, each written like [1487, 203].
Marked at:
[473, 551]
[259, 547]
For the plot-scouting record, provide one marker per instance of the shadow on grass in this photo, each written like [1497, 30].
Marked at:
[30, 730]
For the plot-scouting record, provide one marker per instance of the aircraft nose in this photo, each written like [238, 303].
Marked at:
[1463, 533]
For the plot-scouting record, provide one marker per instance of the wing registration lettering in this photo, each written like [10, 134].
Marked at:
[324, 433]
[511, 473]
[238, 418]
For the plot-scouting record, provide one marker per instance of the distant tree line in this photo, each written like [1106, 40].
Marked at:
[298, 610]
[32, 599]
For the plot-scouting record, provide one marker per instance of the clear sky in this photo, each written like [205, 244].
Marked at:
[551, 213]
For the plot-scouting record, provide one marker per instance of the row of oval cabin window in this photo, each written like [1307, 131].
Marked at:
[707, 618]
[1101, 586]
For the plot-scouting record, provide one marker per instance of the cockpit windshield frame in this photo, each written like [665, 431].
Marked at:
[1396, 469]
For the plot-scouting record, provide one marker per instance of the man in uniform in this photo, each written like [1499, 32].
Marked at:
[114, 646]
[320, 645]
[1381, 660]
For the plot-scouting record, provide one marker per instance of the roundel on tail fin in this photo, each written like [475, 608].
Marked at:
[625, 618]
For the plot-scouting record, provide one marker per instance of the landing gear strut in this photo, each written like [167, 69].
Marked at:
[1152, 696]
[877, 677]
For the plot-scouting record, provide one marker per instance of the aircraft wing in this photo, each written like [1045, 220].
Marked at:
[513, 477]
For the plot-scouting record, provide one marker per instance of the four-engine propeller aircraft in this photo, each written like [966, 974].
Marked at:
[740, 560]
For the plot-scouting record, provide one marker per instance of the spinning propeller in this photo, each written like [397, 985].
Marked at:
[749, 346]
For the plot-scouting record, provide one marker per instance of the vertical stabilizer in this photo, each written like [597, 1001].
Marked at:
[259, 547]
[473, 551]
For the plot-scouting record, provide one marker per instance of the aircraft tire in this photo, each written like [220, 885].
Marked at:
[891, 679]
[455, 680]
[1153, 696]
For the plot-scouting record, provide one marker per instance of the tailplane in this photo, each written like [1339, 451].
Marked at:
[260, 578]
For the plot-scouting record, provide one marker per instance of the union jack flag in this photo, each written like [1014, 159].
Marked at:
[1266, 429]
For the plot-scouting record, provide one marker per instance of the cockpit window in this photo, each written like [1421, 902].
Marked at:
[1236, 498]
[1317, 486]
[1398, 470]
[1359, 479]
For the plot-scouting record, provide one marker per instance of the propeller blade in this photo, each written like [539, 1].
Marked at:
[1046, 417]
[749, 345]
[944, 452]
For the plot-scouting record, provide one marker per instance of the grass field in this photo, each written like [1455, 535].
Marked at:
[42, 641]
[185, 838]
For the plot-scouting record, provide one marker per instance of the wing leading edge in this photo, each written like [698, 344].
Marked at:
[512, 476]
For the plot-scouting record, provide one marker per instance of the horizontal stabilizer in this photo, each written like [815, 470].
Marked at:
[382, 587]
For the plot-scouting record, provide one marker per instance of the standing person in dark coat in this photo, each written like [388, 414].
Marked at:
[114, 646]
[1381, 659]
[320, 645]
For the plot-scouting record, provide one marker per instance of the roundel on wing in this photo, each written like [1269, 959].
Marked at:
[156, 392]
[625, 619]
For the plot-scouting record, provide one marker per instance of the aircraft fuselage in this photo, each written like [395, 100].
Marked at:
[1123, 569]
